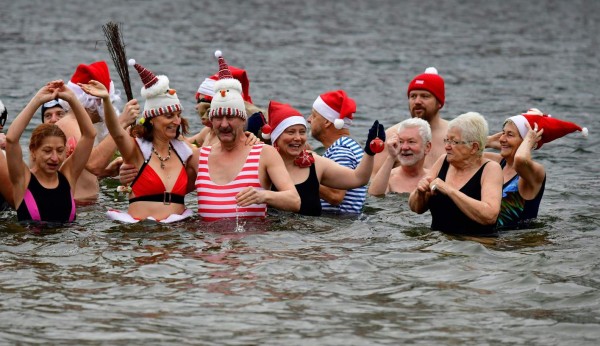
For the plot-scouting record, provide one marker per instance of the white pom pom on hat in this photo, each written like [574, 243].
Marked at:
[431, 70]
[338, 123]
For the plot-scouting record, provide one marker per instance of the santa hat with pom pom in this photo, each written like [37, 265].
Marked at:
[281, 116]
[207, 86]
[337, 107]
[227, 99]
[160, 99]
[553, 128]
[430, 81]
[84, 74]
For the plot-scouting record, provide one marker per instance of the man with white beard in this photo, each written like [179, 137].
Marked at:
[410, 146]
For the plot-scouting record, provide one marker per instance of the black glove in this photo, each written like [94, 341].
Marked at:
[376, 131]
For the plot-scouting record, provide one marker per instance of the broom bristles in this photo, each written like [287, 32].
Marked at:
[116, 49]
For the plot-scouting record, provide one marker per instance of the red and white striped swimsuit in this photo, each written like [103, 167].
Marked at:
[218, 201]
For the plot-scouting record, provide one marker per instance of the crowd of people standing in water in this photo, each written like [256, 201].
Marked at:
[247, 159]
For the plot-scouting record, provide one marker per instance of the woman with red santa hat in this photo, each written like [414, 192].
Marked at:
[287, 130]
[524, 178]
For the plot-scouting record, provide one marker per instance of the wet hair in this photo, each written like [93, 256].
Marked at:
[41, 132]
[424, 128]
[473, 127]
[146, 130]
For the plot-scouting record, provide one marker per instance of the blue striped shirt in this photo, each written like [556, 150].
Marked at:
[346, 152]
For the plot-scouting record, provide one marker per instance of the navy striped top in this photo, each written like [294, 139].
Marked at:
[346, 152]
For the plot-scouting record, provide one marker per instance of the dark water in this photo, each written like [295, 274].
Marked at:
[381, 279]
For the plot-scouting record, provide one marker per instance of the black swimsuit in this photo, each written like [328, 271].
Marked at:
[448, 218]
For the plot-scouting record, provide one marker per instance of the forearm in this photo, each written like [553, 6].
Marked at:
[479, 211]
[419, 201]
[288, 200]
[379, 185]
[332, 196]
[101, 156]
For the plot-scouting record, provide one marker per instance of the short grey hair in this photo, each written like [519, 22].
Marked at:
[424, 128]
[473, 127]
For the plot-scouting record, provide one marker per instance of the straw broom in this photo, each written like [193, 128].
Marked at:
[116, 48]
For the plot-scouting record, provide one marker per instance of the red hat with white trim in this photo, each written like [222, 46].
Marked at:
[160, 99]
[207, 86]
[337, 107]
[227, 99]
[281, 116]
[430, 81]
[553, 128]
[83, 74]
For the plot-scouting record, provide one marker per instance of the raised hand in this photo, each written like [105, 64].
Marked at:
[94, 88]
[376, 134]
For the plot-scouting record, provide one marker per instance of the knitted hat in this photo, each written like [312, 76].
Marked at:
[50, 104]
[281, 116]
[430, 81]
[83, 74]
[227, 99]
[160, 99]
[207, 86]
[336, 107]
[553, 128]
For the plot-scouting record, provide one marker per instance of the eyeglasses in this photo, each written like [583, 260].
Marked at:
[455, 143]
[204, 100]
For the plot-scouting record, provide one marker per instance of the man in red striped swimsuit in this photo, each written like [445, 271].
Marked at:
[234, 180]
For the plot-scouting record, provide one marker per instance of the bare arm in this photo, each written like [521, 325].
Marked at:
[381, 157]
[340, 177]
[74, 164]
[486, 210]
[124, 142]
[272, 169]
[531, 173]
[5, 185]
[17, 169]
[380, 185]
[331, 195]
[418, 201]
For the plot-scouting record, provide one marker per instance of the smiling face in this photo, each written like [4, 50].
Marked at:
[412, 147]
[291, 142]
[166, 125]
[227, 127]
[510, 140]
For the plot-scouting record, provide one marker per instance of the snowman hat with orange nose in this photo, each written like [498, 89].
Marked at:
[227, 99]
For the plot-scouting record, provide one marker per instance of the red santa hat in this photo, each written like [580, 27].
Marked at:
[84, 74]
[336, 107]
[430, 81]
[281, 116]
[553, 128]
[160, 98]
[207, 86]
[227, 99]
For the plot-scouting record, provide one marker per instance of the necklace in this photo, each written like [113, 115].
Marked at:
[162, 159]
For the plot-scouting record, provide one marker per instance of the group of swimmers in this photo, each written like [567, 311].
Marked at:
[246, 159]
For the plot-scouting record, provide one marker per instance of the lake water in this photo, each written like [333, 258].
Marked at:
[380, 279]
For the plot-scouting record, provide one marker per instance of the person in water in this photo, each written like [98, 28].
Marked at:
[288, 134]
[6, 193]
[45, 191]
[234, 179]
[463, 190]
[410, 145]
[524, 178]
[166, 164]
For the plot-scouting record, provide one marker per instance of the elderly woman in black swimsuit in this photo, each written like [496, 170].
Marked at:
[463, 190]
